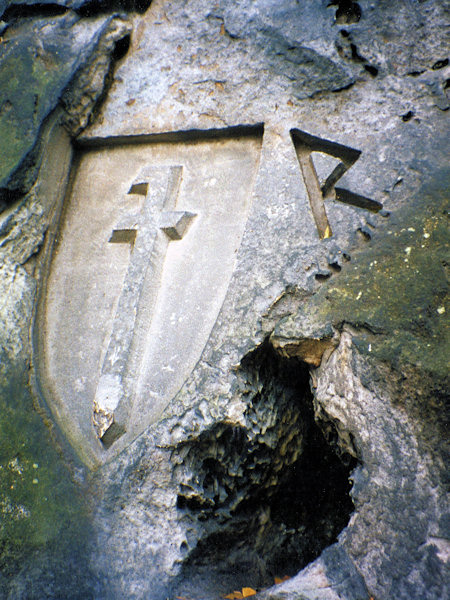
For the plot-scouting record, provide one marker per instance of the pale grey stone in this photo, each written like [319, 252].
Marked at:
[295, 288]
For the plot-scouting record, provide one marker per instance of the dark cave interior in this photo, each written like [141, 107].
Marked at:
[264, 499]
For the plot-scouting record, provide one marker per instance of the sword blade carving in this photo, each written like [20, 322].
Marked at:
[149, 234]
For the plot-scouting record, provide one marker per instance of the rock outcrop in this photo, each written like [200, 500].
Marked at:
[234, 214]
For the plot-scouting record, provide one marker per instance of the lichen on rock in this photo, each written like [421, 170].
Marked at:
[309, 438]
[48, 55]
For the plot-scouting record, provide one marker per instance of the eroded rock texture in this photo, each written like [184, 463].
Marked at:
[310, 437]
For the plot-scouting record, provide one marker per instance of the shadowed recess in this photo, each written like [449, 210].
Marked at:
[268, 496]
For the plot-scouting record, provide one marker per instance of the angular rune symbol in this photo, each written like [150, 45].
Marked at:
[149, 234]
[305, 144]
[132, 294]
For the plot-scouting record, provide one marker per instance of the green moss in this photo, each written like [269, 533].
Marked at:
[39, 59]
[23, 109]
[40, 505]
[397, 287]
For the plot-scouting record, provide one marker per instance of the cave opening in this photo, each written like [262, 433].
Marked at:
[262, 499]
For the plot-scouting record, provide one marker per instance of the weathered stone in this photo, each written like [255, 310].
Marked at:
[394, 293]
[48, 55]
[303, 432]
[43, 531]
[14, 9]
[331, 577]
[43, 527]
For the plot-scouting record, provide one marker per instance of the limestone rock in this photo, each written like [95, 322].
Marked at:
[234, 305]
[19, 8]
[43, 525]
[48, 55]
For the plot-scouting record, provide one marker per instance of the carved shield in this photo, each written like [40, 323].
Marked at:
[140, 268]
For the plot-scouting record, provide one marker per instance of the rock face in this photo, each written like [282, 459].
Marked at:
[49, 56]
[224, 299]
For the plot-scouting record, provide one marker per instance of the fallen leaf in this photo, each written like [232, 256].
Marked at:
[327, 233]
[281, 579]
[130, 101]
[222, 29]
[247, 591]
[234, 596]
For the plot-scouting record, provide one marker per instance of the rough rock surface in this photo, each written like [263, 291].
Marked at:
[310, 438]
[49, 55]
[17, 9]
[50, 85]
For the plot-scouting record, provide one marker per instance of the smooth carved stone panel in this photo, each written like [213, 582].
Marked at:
[145, 253]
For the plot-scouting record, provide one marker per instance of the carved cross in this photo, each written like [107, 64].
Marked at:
[149, 234]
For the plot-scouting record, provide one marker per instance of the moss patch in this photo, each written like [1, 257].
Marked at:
[395, 288]
[46, 54]
[40, 505]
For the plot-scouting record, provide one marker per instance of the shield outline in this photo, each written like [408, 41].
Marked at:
[92, 452]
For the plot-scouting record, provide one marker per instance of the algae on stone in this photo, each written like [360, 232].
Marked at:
[394, 291]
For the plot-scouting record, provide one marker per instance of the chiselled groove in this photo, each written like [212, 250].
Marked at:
[348, 155]
[139, 188]
[353, 199]
[176, 223]
[123, 236]
[314, 193]
[305, 144]
[336, 174]
[187, 135]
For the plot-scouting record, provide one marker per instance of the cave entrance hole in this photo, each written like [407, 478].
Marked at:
[266, 498]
